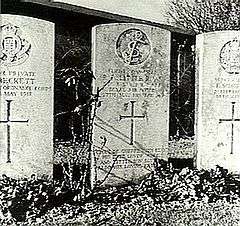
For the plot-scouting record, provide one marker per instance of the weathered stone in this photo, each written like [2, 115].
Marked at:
[217, 100]
[131, 63]
[26, 94]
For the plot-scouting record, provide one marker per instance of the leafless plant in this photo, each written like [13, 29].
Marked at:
[201, 16]
[81, 120]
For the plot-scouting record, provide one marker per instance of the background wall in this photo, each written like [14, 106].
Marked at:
[152, 10]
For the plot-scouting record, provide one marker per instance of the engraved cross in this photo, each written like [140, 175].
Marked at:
[232, 120]
[132, 117]
[8, 122]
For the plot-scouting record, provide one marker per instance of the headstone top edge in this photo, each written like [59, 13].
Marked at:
[26, 17]
[128, 24]
[217, 32]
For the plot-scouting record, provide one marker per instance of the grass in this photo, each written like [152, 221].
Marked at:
[142, 211]
[166, 197]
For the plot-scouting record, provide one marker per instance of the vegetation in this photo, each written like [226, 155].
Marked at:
[74, 102]
[201, 16]
[165, 197]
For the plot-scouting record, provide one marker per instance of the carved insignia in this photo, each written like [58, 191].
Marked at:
[14, 50]
[133, 46]
[230, 57]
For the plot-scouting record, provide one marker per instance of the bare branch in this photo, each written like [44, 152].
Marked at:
[206, 15]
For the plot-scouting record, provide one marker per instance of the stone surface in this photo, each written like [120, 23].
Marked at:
[26, 94]
[131, 64]
[217, 100]
[182, 149]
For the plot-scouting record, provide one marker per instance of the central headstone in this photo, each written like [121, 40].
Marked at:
[26, 96]
[218, 100]
[131, 63]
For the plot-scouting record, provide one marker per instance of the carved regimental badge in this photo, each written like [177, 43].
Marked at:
[14, 50]
[230, 57]
[133, 46]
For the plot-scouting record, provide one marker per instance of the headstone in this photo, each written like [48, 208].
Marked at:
[131, 63]
[26, 95]
[218, 100]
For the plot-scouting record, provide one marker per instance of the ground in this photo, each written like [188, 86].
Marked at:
[167, 196]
